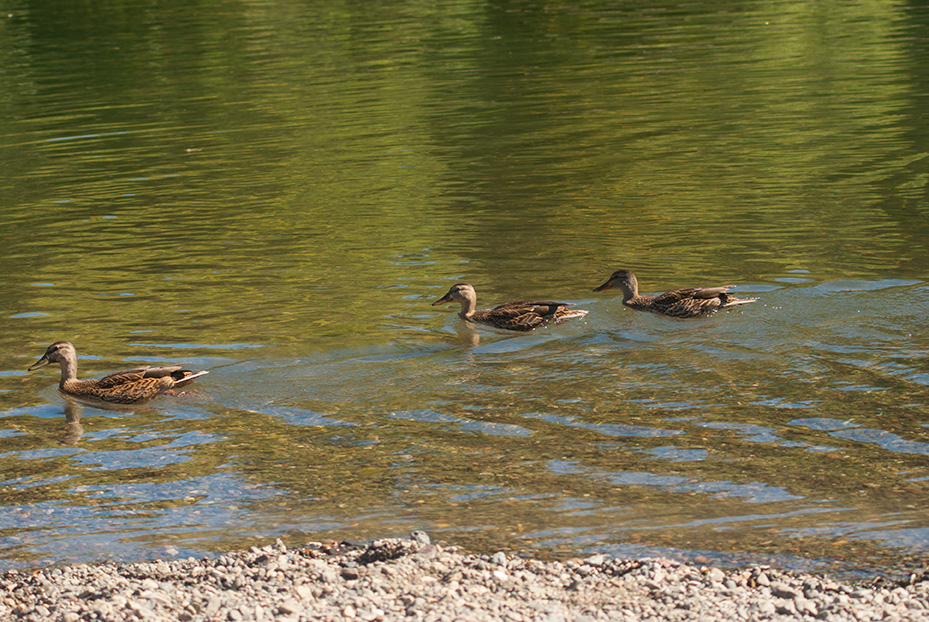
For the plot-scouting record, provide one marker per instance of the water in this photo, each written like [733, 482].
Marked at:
[277, 193]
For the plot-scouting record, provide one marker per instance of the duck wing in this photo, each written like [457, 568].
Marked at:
[710, 292]
[688, 301]
[526, 306]
[510, 317]
[128, 376]
[118, 378]
[521, 314]
[161, 372]
[700, 294]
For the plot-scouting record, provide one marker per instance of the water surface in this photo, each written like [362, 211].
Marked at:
[278, 192]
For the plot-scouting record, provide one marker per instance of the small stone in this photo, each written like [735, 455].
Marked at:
[786, 608]
[348, 611]
[782, 590]
[288, 607]
[595, 560]
[213, 605]
[499, 558]
[805, 606]
[765, 609]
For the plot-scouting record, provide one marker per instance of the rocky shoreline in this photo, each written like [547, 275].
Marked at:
[395, 579]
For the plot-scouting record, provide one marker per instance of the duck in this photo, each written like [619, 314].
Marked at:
[521, 315]
[687, 302]
[129, 386]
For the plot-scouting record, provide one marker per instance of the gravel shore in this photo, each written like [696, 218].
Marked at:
[415, 580]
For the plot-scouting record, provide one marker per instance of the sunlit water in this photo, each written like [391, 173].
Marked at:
[278, 193]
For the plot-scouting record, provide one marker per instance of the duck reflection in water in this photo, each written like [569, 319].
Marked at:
[74, 410]
[467, 334]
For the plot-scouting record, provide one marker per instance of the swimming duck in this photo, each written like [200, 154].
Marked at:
[518, 315]
[686, 302]
[123, 387]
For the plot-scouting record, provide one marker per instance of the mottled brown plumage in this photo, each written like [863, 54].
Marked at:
[519, 315]
[122, 387]
[685, 303]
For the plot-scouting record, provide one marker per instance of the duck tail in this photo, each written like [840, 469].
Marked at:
[732, 301]
[184, 376]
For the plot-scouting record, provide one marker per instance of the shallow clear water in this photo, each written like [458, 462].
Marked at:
[277, 193]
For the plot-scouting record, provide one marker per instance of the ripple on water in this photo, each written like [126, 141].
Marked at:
[822, 423]
[305, 418]
[751, 492]
[609, 429]
[678, 454]
[863, 286]
[200, 346]
[479, 491]
[178, 450]
[885, 440]
[462, 423]
[103, 521]
[42, 454]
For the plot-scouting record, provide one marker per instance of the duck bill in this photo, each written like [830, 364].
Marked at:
[443, 300]
[42, 362]
[607, 285]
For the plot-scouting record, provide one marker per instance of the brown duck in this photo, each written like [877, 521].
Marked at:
[686, 302]
[519, 315]
[123, 387]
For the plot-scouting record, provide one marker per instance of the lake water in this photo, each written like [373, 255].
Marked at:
[277, 192]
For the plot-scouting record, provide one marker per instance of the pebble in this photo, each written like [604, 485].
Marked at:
[391, 579]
